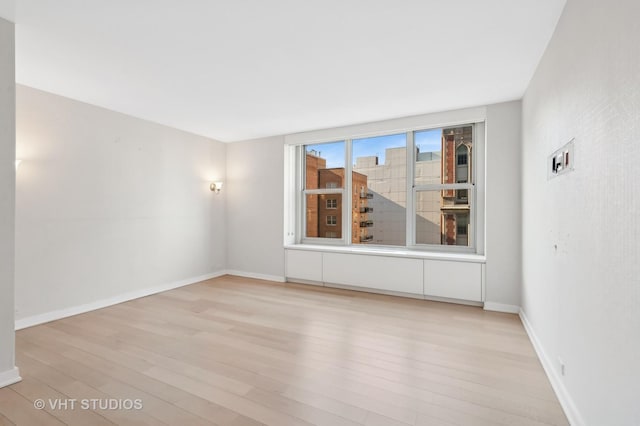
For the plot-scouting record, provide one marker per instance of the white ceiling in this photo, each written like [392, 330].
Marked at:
[241, 69]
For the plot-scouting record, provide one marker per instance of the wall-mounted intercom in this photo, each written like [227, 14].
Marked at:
[561, 161]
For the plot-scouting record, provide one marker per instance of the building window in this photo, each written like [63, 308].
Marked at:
[415, 189]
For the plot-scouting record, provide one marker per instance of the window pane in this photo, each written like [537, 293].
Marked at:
[322, 219]
[428, 156]
[432, 167]
[380, 190]
[441, 219]
[324, 165]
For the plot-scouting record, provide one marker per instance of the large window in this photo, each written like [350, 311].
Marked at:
[415, 189]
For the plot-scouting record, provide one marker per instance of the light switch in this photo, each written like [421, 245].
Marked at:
[561, 161]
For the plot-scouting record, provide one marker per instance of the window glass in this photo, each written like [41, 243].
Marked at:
[443, 156]
[440, 220]
[324, 170]
[323, 221]
[380, 190]
[324, 165]
[428, 166]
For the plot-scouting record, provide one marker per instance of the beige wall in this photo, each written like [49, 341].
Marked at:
[108, 204]
[581, 236]
[7, 201]
[503, 203]
[255, 191]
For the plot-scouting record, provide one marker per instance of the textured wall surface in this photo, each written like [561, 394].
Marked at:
[108, 204]
[581, 236]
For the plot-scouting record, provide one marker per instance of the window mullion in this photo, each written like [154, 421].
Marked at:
[443, 186]
[410, 204]
[301, 225]
[320, 191]
[347, 197]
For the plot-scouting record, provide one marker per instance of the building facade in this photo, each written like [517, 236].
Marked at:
[456, 168]
[442, 217]
[324, 211]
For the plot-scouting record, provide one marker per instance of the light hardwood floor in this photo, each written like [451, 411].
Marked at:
[237, 351]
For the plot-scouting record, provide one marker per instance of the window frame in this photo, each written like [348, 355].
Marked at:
[477, 137]
[301, 217]
[295, 199]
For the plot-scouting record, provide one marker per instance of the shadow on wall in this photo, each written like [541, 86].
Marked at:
[389, 223]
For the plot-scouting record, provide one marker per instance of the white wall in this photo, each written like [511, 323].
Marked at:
[581, 237]
[503, 203]
[108, 204]
[8, 373]
[255, 199]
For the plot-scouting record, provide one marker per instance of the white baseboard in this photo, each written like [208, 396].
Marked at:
[99, 304]
[306, 282]
[385, 292]
[265, 277]
[373, 290]
[450, 300]
[10, 377]
[569, 407]
[501, 307]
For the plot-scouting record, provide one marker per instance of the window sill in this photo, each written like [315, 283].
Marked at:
[387, 251]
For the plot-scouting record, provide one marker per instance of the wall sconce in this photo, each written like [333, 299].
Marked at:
[18, 163]
[216, 187]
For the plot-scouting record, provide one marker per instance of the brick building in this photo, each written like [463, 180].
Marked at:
[456, 168]
[324, 211]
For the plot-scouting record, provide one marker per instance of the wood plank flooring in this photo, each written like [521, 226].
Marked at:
[237, 351]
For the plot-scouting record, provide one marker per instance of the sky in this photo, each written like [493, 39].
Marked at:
[333, 152]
